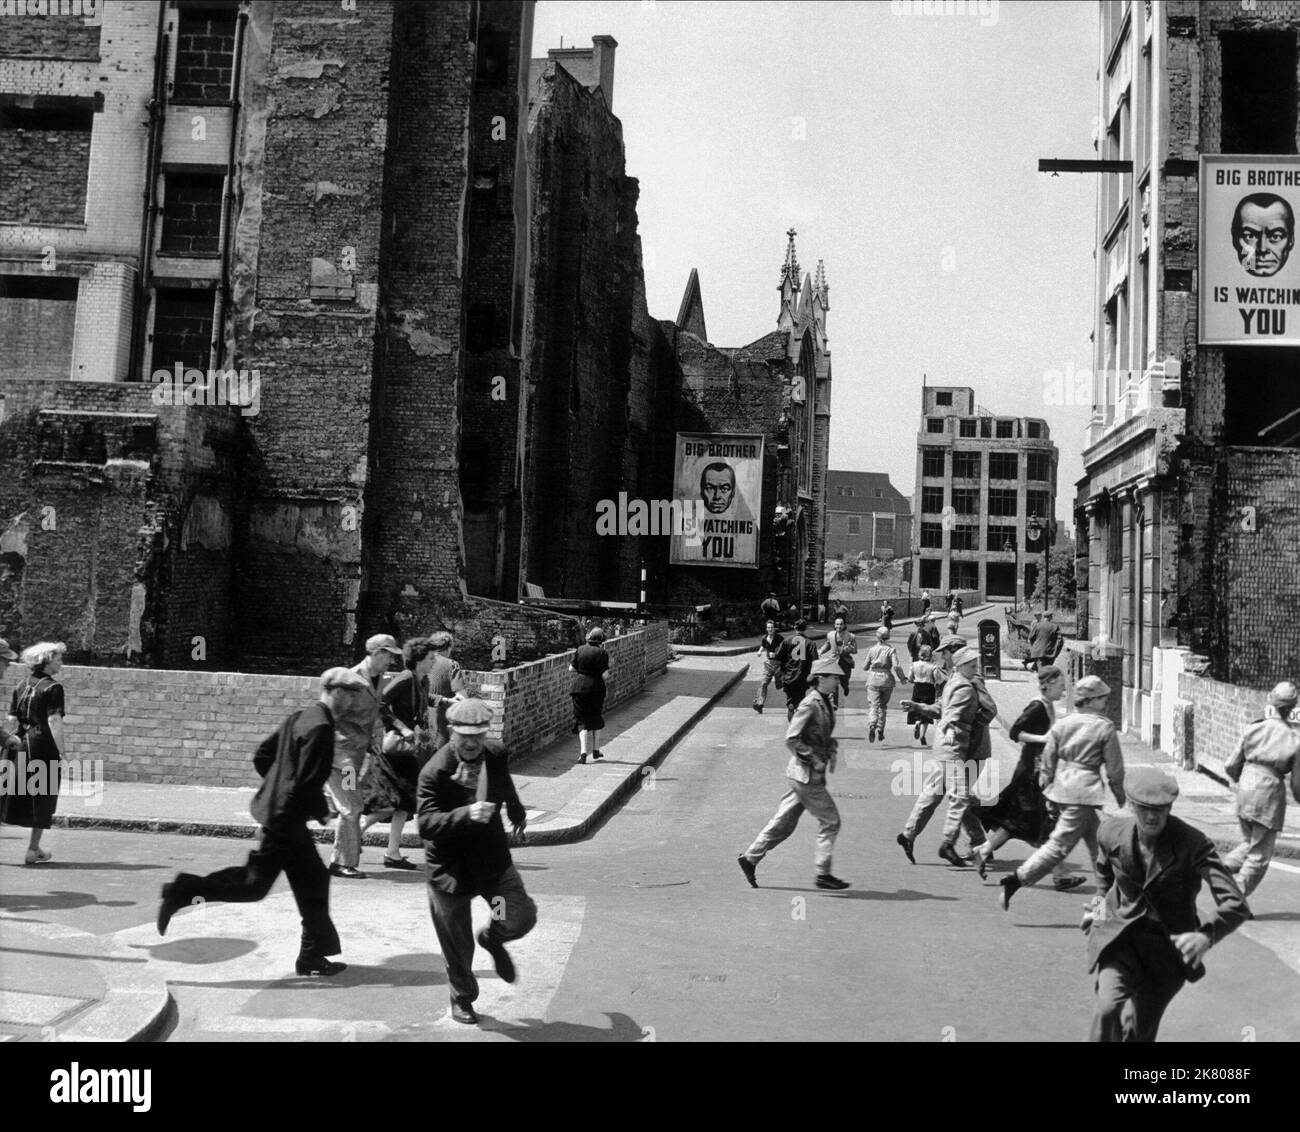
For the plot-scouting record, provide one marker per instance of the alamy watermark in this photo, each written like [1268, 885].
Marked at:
[986, 10]
[654, 517]
[180, 386]
[78, 778]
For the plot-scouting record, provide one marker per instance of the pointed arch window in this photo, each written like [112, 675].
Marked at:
[807, 438]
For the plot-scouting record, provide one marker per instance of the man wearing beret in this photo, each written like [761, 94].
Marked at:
[461, 791]
[813, 752]
[295, 764]
[1145, 938]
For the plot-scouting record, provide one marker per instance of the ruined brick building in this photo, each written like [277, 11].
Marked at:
[411, 257]
[1188, 510]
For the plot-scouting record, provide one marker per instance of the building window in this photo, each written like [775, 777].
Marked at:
[931, 572]
[934, 424]
[986, 428]
[182, 329]
[50, 143]
[1035, 430]
[1002, 501]
[965, 536]
[944, 399]
[855, 525]
[882, 534]
[205, 53]
[192, 214]
[932, 536]
[966, 500]
[1038, 503]
[932, 461]
[965, 465]
[1003, 465]
[1006, 430]
[1252, 419]
[931, 500]
[1259, 91]
[38, 316]
[966, 427]
[1000, 538]
[1000, 579]
[1040, 465]
[964, 576]
[492, 65]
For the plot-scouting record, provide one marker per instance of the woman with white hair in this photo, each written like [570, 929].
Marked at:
[590, 668]
[37, 708]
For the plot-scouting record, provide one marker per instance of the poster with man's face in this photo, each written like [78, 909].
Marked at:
[1250, 272]
[718, 479]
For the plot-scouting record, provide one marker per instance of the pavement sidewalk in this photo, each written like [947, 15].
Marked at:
[1203, 801]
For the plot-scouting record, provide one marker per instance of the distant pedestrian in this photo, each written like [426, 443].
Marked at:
[590, 667]
[770, 609]
[841, 610]
[925, 603]
[1021, 811]
[1268, 752]
[886, 614]
[1145, 936]
[446, 686]
[389, 784]
[810, 738]
[467, 854]
[769, 649]
[840, 645]
[1044, 640]
[359, 736]
[796, 660]
[925, 633]
[1077, 749]
[927, 678]
[36, 710]
[880, 666]
[295, 763]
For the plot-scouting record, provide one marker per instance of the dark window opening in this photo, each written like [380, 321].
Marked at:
[1000, 539]
[967, 426]
[1259, 91]
[1002, 501]
[182, 329]
[986, 428]
[1036, 430]
[480, 331]
[1006, 430]
[1038, 503]
[943, 399]
[964, 576]
[192, 214]
[965, 465]
[934, 424]
[1262, 396]
[931, 572]
[931, 500]
[1000, 580]
[493, 57]
[932, 536]
[965, 537]
[966, 500]
[931, 461]
[1003, 465]
[855, 525]
[1040, 465]
[205, 53]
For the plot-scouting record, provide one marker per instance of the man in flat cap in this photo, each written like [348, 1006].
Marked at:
[813, 753]
[461, 791]
[295, 763]
[964, 712]
[1269, 751]
[1145, 937]
[1077, 749]
[360, 732]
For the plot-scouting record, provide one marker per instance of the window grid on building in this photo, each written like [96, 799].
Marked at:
[965, 465]
[1002, 501]
[932, 536]
[1003, 465]
[932, 461]
[931, 500]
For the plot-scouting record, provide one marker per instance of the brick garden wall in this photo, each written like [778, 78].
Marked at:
[201, 728]
[1219, 713]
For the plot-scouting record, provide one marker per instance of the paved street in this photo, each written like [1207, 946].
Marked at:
[648, 930]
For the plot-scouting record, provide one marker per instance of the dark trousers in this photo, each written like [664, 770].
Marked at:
[513, 916]
[1137, 979]
[794, 694]
[293, 853]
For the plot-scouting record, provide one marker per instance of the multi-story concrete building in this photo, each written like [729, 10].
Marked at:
[985, 499]
[866, 515]
[1187, 509]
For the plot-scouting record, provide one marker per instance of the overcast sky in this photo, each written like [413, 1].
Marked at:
[915, 179]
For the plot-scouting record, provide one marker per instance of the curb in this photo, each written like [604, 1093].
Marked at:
[564, 835]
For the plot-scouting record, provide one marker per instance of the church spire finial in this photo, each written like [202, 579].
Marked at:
[790, 270]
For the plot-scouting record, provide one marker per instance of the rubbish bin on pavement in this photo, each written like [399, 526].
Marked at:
[990, 649]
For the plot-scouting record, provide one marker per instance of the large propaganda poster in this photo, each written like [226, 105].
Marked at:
[1250, 275]
[718, 480]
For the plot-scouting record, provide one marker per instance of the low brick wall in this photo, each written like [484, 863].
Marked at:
[201, 728]
[869, 609]
[1218, 713]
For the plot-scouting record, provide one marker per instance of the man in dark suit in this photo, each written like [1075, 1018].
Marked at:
[461, 792]
[924, 634]
[1145, 938]
[295, 763]
[1044, 641]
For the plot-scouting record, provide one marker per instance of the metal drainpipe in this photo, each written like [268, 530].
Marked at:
[227, 204]
[156, 104]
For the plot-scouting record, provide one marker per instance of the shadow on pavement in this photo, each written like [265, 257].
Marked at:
[428, 974]
[58, 900]
[623, 1029]
[858, 894]
[198, 950]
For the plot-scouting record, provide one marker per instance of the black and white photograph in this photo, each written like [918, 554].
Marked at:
[440, 564]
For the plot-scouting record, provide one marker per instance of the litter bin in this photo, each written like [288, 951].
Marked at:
[990, 649]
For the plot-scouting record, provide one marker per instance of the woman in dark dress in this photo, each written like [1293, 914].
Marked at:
[37, 709]
[590, 673]
[1021, 810]
[389, 783]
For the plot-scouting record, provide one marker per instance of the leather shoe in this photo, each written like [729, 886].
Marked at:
[500, 956]
[949, 854]
[397, 863]
[463, 1012]
[321, 966]
[1010, 885]
[825, 880]
[906, 843]
[596, 756]
[749, 869]
[982, 863]
[172, 902]
[871, 734]
[1064, 884]
[347, 872]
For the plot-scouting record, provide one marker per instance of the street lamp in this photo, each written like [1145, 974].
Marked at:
[1036, 529]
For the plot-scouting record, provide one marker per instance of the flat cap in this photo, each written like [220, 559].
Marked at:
[965, 656]
[827, 666]
[382, 642]
[1090, 688]
[341, 678]
[469, 717]
[6, 651]
[1148, 786]
[1283, 696]
[952, 641]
